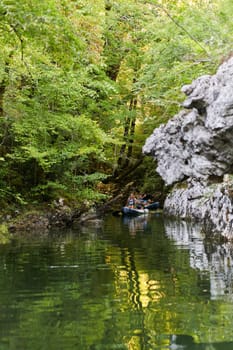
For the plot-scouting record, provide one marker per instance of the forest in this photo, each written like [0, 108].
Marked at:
[83, 83]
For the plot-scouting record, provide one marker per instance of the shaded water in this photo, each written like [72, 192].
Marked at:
[131, 284]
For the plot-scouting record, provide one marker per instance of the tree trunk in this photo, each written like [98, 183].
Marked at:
[132, 130]
[125, 138]
[129, 130]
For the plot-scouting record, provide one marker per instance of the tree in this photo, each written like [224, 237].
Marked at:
[83, 83]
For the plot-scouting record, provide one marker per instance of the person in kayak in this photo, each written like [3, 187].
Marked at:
[131, 201]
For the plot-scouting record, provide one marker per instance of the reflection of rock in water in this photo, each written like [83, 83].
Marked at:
[189, 236]
[221, 273]
[205, 256]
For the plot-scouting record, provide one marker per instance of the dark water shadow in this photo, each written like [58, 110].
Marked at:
[183, 342]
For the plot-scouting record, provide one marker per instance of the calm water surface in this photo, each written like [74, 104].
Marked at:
[131, 284]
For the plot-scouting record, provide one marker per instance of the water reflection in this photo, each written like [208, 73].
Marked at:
[189, 236]
[136, 224]
[131, 284]
[205, 255]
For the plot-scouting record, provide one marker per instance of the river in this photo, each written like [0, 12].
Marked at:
[128, 284]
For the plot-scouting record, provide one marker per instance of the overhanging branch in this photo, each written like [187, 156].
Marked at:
[180, 26]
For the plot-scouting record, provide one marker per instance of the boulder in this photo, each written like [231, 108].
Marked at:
[196, 146]
[198, 142]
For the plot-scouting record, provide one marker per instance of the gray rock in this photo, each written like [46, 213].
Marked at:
[197, 145]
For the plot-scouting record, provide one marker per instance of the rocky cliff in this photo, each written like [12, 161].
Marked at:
[194, 151]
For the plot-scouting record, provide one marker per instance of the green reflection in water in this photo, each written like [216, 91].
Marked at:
[130, 284]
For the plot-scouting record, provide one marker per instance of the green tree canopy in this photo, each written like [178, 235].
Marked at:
[83, 83]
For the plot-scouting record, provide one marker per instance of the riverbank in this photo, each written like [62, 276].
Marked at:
[60, 213]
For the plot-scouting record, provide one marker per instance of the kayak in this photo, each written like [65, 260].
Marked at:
[134, 211]
[152, 206]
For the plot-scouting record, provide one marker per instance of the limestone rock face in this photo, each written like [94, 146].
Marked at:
[196, 146]
[198, 143]
[210, 204]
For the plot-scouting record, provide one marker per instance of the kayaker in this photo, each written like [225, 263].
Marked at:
[131, 201]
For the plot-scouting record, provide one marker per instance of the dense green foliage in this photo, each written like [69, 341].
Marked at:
[83, 83]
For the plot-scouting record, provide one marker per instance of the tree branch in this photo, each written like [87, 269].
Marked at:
[20, 39]
[181, 27]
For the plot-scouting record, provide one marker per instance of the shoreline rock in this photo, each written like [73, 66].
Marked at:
[210, 204]
[42, 221]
